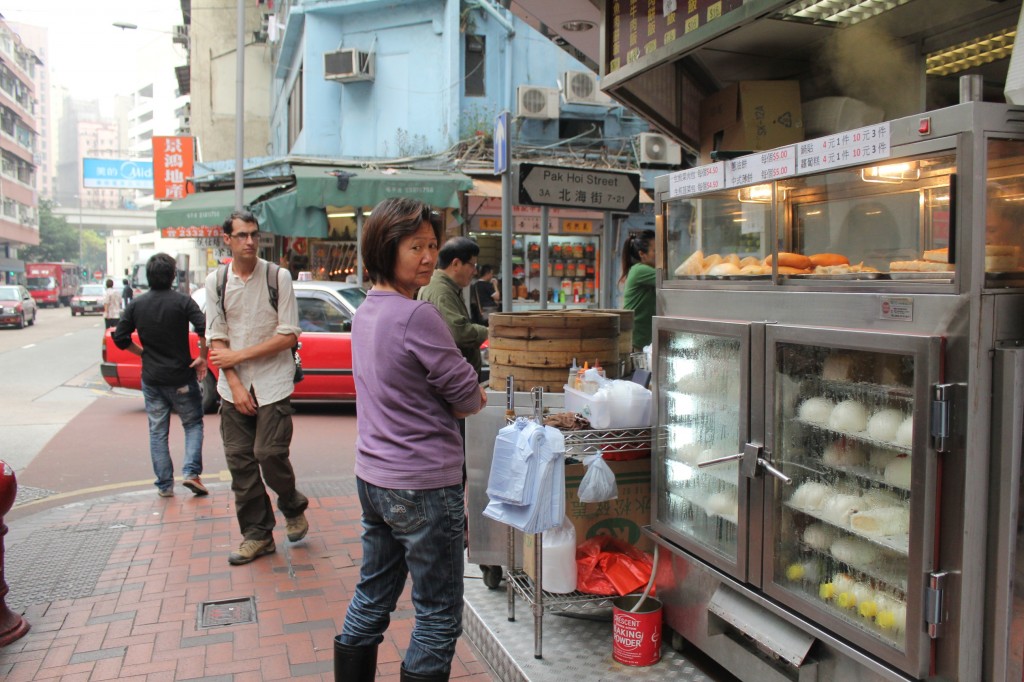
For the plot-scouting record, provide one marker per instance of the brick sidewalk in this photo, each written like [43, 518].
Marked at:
[113, 590]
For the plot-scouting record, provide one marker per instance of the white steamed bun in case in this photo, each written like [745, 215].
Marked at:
[844, 454]
[897, 472]
[905, 434]
[849, 416]
[816, 410]
[879, 457]
[884, 425]
[854, 551]
[819, 536]
[839, 508]
[810, 495]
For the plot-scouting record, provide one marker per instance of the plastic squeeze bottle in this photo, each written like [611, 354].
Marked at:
[573, 371]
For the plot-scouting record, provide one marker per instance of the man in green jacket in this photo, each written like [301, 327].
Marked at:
[456, 266]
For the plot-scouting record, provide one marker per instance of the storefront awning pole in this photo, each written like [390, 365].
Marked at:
[543, 257]
[607, 262]
[240, 105]
[359, 246]
[506, 241]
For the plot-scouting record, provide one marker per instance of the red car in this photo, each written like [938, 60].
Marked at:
[17, 307]
[325, 315]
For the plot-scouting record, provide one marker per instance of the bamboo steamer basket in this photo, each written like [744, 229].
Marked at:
[537, 347]
[625, 339]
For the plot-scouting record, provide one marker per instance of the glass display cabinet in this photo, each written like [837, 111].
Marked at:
[830, 477]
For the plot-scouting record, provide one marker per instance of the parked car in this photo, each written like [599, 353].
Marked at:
[17, 307]
[88, 299]
[325, 314]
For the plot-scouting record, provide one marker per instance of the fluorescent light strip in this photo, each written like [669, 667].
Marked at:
[843, 12]
[975, 52]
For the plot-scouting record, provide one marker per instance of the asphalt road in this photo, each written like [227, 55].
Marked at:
[69, 436]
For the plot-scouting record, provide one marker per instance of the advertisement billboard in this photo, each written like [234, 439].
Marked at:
[117, 174]
[172, 167]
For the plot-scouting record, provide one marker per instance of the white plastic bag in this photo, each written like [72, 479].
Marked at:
[598, 484]
[559, 552]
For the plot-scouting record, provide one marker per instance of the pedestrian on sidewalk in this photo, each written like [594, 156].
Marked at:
[111, 305]
[412, 384]
[253, 324]
[456, 267]
[170, 375]
[126, 292]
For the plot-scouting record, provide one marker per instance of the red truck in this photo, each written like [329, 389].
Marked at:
[52, 284]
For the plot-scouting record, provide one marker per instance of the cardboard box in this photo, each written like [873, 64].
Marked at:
[621, 517]
[751, 116]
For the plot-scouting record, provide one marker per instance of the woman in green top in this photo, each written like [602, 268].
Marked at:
[639, 293]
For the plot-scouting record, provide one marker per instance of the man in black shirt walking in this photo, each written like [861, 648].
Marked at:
[170, 375]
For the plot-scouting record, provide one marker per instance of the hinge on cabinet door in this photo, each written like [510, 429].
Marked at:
[933, 612]
[942, 395]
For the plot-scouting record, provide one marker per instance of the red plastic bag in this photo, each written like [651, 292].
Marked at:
[610, 567]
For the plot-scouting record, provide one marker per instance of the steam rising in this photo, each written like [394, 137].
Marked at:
[869, 65]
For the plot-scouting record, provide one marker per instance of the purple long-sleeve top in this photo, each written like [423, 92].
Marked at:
[409, 377]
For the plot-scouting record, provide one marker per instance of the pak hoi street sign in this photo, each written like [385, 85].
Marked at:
[578, 188]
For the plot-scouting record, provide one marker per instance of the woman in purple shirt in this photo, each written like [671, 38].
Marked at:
[412, 385]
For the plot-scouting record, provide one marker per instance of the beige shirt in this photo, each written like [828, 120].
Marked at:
[112, 304]
[251, 320]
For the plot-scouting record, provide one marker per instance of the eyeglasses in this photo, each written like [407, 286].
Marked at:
[475, 266]
[245, 236]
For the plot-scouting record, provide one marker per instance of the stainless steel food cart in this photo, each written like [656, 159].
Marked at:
[838, 383]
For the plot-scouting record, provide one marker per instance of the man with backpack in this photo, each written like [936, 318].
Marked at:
[252, 328]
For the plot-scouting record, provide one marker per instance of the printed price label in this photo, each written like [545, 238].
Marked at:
[761, 167]
[851, 148]
[899, 308]
[697, 180]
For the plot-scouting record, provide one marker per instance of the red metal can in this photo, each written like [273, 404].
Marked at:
[636, 635]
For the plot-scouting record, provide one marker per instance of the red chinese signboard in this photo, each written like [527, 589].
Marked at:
[173, 158]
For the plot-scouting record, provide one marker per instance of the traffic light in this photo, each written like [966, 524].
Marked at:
[85, 273]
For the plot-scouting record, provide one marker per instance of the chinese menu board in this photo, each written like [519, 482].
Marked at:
[639, 27]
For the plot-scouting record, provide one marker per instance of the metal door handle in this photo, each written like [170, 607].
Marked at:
[720, 460]
[773, 471]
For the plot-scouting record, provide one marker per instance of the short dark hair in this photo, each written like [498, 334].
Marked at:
[110, 283]
[161, 269]
[462, 248]
[486, 269]
[244, 215]
[124, 281]
[390, 221]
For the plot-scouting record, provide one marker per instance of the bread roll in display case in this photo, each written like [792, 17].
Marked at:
[837, 452]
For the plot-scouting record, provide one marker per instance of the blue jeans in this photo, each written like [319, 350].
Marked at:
[417, 532]
[188, 403]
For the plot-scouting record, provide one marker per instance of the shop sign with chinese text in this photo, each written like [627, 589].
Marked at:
[173, 159]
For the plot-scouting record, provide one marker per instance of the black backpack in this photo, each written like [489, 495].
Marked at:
[273, 270]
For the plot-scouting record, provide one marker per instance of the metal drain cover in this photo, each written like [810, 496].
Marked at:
[214, 614]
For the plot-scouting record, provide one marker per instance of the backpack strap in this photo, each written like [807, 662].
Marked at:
[222, 283]
[273, 272]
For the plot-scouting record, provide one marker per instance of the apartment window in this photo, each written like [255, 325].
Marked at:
[295, 111]
[476, 57]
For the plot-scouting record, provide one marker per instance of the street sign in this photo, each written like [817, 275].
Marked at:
[579, 188]
[501, 143]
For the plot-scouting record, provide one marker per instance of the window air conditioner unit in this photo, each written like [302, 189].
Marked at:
[534, 102]
[348, 65]
[658, 150]
[580, 87]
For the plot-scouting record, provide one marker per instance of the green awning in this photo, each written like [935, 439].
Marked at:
[206, 209]
[317, 186]
[283, 217]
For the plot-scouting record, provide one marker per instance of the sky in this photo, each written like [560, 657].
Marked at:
[88, 55]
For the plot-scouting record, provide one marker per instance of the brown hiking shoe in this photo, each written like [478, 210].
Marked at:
[195, 485]
[251, 549]
[297, 527]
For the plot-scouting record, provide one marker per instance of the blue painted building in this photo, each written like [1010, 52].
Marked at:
[419, 83]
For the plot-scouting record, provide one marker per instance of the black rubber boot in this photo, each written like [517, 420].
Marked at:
[354, 663]
[407, 676]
